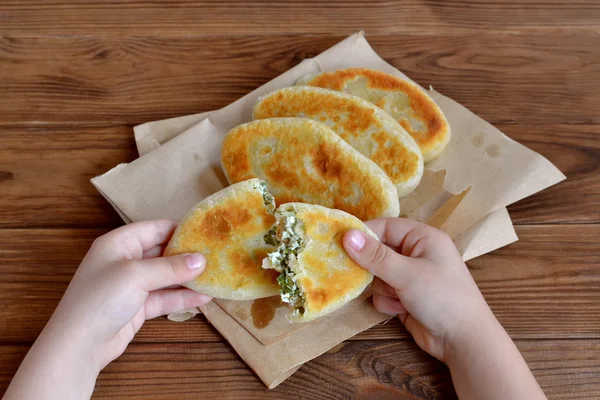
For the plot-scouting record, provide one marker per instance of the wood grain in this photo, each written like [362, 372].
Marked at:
[547, 285]
[359, 370]
[575, 150]
[45, 173]
[88, 80]
[298, 17]
[76, 76]
[550, 278]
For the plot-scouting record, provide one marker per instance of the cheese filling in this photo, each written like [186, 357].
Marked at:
[287, 235]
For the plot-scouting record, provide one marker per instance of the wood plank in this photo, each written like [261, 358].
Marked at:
[45, 175]
[546, 285]
[575, 150]
[213, 370]
[199, 329]
[565, 369]
[98, 80]
[271, 17]
[550, 277]
[45, 172]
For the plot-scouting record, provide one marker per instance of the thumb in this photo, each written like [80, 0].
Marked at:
[376, 257]
[157, 273]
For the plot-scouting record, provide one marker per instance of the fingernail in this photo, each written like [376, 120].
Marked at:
[357, 240]
[195, 260]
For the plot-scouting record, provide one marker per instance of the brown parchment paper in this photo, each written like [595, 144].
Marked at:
[279, 326]
[276, 362]
[183, 168]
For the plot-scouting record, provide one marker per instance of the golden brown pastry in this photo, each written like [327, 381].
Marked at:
[304, 161]
[228, 227]
[406, 102]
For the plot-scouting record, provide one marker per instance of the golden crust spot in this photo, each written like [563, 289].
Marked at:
[268, 219]
[213, 227]
[328, 166]
[248, 267]
[239, 164]
[217, 223]
[266, 150]
[283, 174]
[388, 157]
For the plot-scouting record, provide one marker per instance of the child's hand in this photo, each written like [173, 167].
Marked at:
[422, 278]
[119, 284]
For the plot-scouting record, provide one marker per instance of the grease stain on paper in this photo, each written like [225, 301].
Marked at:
[478, 139]
[493, 151]
[241, 314]
[263, 311]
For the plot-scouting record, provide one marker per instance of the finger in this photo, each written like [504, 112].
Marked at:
[380, 260]
[136, 323]
[163, 302]
[158, 273]
[383, 288]
[413, 239]
[130, 241]
[156, 251]
[422, 337]
[388, 305]
[173, 287]
[392, 231]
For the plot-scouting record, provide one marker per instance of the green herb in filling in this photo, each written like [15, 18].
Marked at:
[271, 237]
[286, 235]
[290, 292]
[268, 198]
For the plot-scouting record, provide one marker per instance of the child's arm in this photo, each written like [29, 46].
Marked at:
[118, 286]
[424, 281]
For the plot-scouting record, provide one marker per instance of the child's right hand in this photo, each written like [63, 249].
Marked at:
[422, 279]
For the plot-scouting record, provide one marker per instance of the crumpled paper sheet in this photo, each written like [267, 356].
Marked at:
[276, 362]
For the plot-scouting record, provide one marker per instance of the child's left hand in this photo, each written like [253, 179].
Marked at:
[119, 284]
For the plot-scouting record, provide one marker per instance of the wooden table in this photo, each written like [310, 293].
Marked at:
[76, 76]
